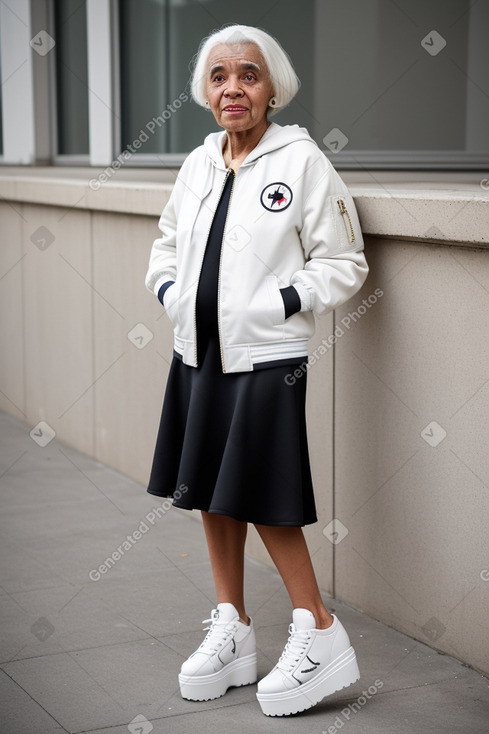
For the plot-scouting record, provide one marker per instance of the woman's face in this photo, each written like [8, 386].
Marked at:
[238, 86]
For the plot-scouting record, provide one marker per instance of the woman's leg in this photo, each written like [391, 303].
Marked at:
[226, 541]
[288, 550]
[227, 655]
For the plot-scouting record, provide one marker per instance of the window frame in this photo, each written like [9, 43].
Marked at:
[18, 95]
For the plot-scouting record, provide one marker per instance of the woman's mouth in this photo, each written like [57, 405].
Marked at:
[235, 109]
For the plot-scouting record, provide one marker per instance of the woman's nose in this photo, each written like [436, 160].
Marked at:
[233, 89]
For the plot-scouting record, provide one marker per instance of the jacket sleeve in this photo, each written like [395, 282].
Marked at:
[163, 258]
[333, 245]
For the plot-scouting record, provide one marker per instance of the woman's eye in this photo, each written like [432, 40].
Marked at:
[249, 77]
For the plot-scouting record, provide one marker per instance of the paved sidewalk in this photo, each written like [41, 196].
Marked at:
[87, 651]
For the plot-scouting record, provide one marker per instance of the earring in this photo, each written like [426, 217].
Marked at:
[207, 103]
[272, 102]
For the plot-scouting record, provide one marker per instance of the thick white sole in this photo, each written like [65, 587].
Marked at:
[339, 674]
[240, 672]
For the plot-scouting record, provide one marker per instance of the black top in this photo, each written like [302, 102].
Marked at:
[207, 291]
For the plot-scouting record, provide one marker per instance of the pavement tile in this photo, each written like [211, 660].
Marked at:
[36, 623]
[20, 713]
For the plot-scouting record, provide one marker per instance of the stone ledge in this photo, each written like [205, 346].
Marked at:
[441, 207]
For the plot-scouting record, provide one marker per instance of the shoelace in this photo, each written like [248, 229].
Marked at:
[295, 646]
[218, 634]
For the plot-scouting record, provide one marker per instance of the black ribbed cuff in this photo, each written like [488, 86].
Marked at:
[292, 300]
[163, 289]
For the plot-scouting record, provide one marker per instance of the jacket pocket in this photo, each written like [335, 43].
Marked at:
[267, 306]
[170, 302]
[276, 301]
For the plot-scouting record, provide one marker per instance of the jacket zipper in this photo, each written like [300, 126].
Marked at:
[230, 170]
[200, 271]
[347, 220]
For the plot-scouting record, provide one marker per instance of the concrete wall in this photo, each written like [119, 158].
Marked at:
[411, 460]
[397, 410]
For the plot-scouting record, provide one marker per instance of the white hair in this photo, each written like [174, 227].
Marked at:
[283, 77]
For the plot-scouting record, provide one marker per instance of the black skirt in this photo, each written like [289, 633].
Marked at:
[232, 443]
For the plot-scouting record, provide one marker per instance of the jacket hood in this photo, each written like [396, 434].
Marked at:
[275, 137]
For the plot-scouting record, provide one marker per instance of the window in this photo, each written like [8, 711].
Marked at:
[384, 83]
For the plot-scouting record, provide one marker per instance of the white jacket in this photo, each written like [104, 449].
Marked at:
[291, 221]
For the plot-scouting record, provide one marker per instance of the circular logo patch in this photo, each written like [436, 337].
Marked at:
[276, 197]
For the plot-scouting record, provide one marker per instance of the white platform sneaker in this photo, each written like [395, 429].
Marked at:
[226, 657]
[314, 664]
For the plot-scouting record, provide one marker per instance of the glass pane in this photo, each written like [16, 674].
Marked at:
[143, 70]
[71, 76]
[404, 75]
[391, 76]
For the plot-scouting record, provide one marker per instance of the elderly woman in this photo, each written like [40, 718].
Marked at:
[260, 233]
